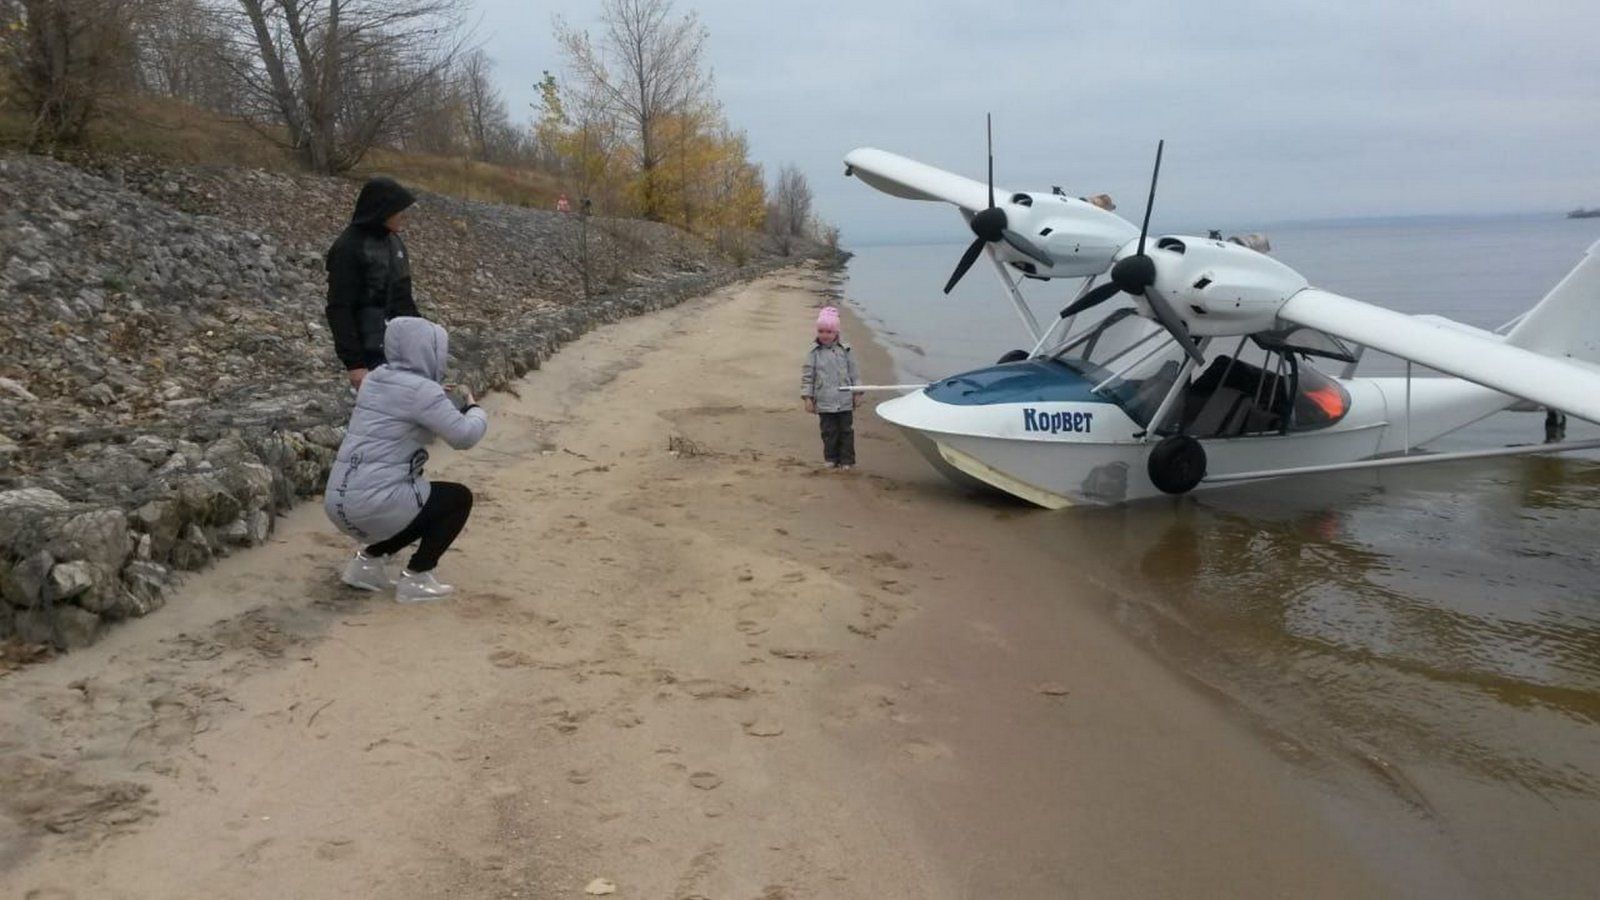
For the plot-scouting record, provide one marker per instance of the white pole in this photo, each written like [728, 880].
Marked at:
[1406, 436]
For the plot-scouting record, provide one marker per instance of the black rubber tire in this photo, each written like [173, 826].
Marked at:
[1012, 356]
[1177, 464]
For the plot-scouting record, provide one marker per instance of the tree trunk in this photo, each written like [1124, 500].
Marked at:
[282, 93]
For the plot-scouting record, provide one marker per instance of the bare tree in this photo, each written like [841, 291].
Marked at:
[792, 196]
[647, 66]
[61, 58]
[184, 49]
[789, 209]
[336, 75]
[434, 116]
[486, 118]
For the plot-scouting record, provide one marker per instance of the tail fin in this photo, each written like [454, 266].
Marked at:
[1566, 323]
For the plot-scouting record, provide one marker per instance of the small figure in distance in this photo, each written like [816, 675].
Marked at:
[369, 276]
[562, 205]
[828, 371]
[377, 492]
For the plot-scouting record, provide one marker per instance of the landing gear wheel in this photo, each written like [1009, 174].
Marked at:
[1013, 356]
[1177, 464]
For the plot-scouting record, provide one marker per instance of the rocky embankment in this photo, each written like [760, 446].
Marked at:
[167, 381]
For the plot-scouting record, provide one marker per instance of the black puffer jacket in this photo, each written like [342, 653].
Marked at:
[369, 276]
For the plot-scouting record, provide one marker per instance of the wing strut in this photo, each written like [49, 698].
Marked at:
[1028, 320]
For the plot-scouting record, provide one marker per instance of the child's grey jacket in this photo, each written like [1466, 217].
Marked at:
[377, 484]
[826, 370]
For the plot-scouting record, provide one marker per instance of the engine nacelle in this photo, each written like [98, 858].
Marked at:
[1081, 238]
[1222, 288]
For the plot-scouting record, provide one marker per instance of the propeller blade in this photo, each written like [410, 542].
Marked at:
[1027, 247]
[988, 128]
[1096, 296]
[967, 259]
[1148, 203]
[1174, 325]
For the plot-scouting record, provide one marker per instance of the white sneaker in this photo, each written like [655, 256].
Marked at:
[420, 587]
[367, 573]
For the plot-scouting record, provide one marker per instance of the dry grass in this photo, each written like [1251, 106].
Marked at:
[181, 134]
[465, 178]
[165, 130]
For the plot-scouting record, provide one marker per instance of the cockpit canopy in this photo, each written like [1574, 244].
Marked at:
[1265, 385]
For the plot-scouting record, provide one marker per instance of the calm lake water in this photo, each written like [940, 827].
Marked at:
[1427, 638]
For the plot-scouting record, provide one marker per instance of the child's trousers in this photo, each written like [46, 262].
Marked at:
[838, 437]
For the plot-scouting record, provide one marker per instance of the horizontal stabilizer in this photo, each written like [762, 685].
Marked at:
[1556, 383]
[902, 177]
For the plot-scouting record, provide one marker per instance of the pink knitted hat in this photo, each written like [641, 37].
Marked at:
[828, 318]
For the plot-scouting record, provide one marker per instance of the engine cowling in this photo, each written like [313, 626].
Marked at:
[1222, 288]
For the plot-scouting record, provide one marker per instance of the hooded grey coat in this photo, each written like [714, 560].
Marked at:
[826, 370]
[377, 485]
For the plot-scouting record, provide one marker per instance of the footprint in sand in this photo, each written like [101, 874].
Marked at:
[921, 750]
[510, 659]
[335, 849]
[763, 728]
[876, 615]
[885, 558]
[712, 689]
[798, 653]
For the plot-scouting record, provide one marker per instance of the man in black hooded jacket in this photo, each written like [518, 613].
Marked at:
[369, 276]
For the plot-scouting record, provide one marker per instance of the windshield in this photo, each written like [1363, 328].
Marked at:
[1128, 357]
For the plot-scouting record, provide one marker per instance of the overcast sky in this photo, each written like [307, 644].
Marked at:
[1272, 111]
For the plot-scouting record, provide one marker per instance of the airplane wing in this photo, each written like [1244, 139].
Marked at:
[1555, 382]
[902, 177]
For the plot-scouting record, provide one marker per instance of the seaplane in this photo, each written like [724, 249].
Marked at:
[1210, 370]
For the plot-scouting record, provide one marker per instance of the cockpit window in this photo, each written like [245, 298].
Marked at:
[1319, 401]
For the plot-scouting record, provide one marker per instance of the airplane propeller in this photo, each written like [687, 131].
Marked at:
[990, 225]
[1135, 275]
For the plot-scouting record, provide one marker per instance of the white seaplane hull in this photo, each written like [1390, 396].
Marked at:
[1057, 455]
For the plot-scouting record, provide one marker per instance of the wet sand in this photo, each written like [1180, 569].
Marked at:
[684, 659]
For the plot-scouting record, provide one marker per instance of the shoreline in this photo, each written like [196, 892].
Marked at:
[684, 659]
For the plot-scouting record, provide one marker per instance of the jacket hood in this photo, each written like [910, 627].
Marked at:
[379, 199]
[417, 345]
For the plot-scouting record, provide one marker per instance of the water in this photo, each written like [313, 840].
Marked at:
[1429, 634]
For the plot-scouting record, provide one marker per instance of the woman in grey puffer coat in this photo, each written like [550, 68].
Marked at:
[377, 492]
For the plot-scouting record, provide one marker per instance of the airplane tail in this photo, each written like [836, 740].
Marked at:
[1566, 323]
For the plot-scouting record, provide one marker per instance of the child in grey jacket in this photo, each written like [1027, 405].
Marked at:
[377, 492]
[828, 368]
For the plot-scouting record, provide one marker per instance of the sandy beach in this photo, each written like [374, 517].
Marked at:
[684, 659]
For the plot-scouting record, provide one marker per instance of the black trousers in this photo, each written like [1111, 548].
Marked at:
[838, 437]
[436, 526]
